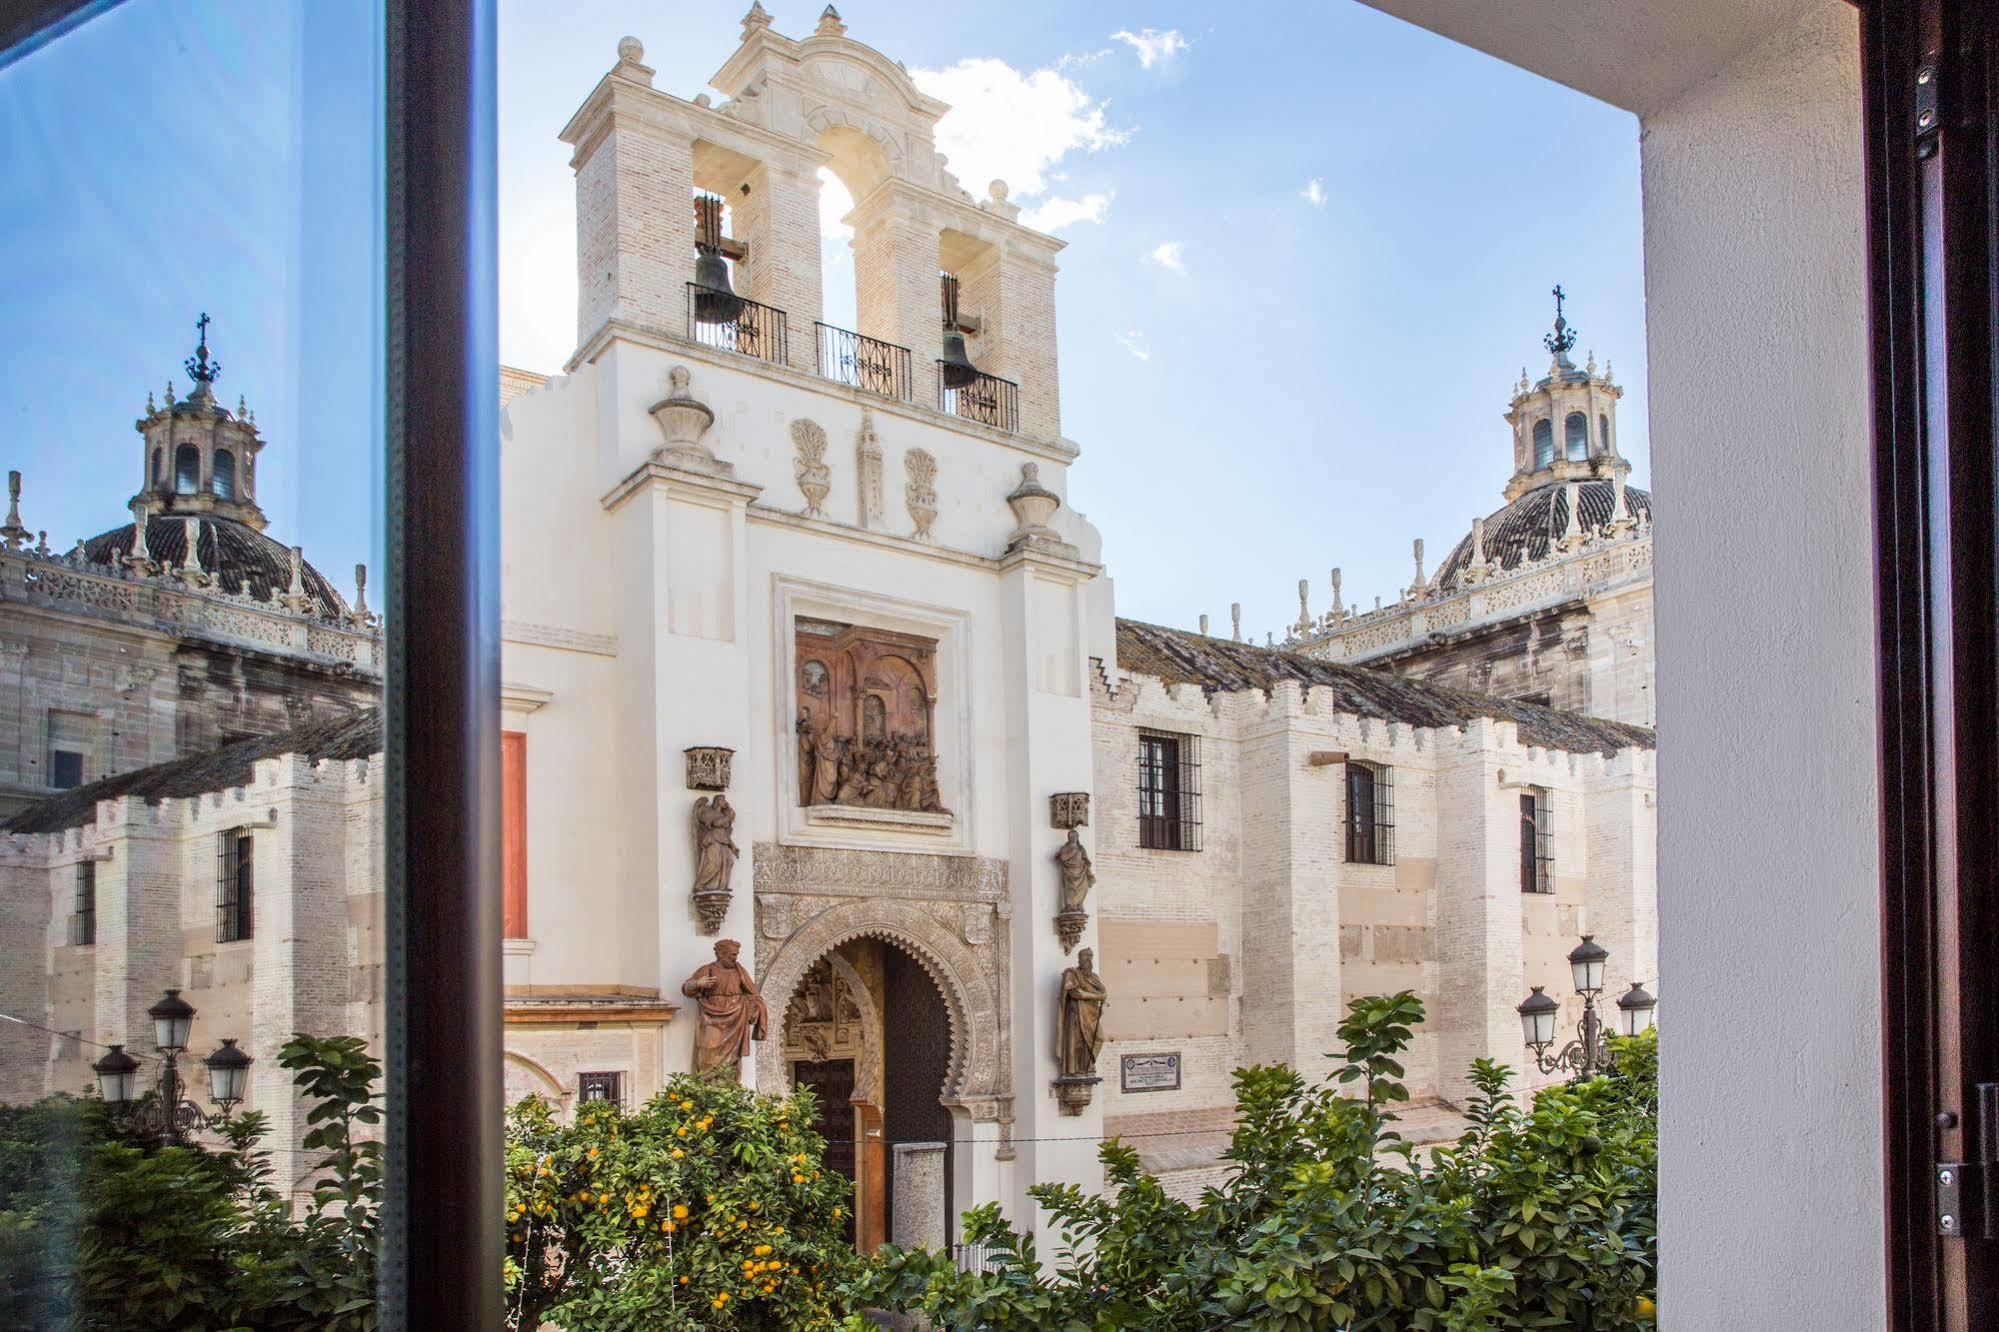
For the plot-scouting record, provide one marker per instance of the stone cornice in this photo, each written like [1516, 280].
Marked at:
[721, 491]
[760, 513]
[1051, 450]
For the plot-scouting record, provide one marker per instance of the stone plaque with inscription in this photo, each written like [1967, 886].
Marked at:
[1149, 1072]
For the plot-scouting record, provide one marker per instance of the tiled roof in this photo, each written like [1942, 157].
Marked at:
[352, 735]
[1529, 527]
[1176, 656]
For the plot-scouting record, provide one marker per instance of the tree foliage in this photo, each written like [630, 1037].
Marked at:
[709, 1207]
[99, 1231]
[1539, 1216]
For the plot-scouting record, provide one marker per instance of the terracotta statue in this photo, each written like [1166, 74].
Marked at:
[818, 762]
[1077, 875]
[714, 845]
[732, 1014]
[1079, 1030]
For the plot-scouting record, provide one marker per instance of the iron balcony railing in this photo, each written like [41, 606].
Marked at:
[752, 329]
[989, 400]
[865, 363]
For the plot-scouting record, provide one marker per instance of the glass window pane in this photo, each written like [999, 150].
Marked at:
[194, 789]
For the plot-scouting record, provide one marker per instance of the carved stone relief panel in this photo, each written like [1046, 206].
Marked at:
[921, 491]
[866, 702]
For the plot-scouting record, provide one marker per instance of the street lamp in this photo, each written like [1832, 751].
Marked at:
[1588, 1054]
[167, 1115]
[1635, 1009]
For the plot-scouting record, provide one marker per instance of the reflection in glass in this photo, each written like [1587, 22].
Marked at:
[190, 770]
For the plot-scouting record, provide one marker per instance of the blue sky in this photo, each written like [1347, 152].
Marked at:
[1267, 378]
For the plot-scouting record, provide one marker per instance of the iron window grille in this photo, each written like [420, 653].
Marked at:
[601, 1087]
[756, 330]
[865, 363]
[83, 911]
[1370, 813]
[1169, 791]
[1536, 844]
[235, 887]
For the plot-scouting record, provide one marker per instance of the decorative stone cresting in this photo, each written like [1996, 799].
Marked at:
[814, 476]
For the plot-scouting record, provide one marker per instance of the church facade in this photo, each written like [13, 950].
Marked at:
[805, 649]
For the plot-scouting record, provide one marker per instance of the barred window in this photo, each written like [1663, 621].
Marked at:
[1536, 845]
[1169, 791]
[83, 911]
[235, 887]
[1370, 813]
[601, 1087]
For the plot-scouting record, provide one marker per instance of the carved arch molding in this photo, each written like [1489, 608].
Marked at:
[959, 938]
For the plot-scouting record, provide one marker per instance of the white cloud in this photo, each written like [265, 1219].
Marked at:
[1080, 59]
[1166, 254]
[1013, 126]
[1314, 192]
[1155, 46]
[1055, 212]
[1133, 341]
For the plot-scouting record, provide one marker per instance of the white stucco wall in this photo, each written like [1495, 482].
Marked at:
[1768, 865]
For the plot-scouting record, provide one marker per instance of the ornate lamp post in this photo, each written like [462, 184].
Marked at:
[168, 1116]
[1588, 1054]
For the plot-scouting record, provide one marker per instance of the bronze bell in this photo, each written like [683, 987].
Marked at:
[954, 365]
[715, 301]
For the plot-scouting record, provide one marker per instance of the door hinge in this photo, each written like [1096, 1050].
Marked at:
[1929, 114]
[1968, 1191]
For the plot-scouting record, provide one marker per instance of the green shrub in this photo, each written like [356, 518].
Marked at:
[1538, 1217]
[98, 1231]
[707, 1208]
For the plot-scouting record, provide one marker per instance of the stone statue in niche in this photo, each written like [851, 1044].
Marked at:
[866, 707]
[1078, 877]
[1079, 1033]
[732, 1014]
[715, 856]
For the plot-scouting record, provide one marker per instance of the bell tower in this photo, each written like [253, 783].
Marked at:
[198, 459]
[1565, 425]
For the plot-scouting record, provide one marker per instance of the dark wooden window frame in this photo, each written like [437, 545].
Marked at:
[83, 907]
[1537, 847]
[1169, 791]
[1931, 182]
[235, 886]
[1370, 813]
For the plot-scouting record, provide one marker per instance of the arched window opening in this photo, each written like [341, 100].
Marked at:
[1603, 433]
[1544, 443]
[223, 481]
[1575, 431]
[187, 470]
[159, 467]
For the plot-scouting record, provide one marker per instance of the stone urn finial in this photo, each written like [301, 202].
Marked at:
[683, 422]
[1033, 504]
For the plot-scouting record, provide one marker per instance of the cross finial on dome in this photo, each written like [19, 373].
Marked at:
[1563, 337]
[200, 368]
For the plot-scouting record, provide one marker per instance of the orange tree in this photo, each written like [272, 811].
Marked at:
[709, 1207]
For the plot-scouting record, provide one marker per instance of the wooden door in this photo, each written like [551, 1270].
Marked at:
[832, 1081]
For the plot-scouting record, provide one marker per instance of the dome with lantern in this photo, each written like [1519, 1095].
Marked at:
[1564, 454]
[199, 483]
